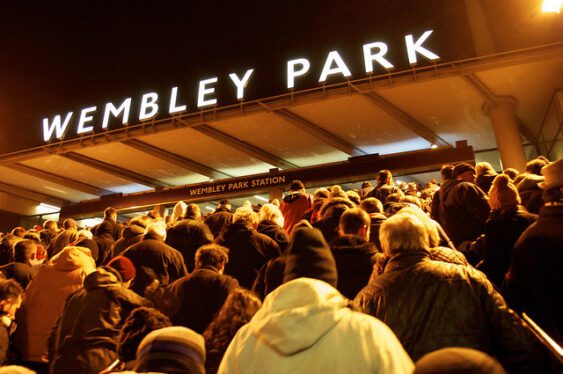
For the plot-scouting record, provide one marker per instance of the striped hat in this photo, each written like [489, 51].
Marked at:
[171, 350]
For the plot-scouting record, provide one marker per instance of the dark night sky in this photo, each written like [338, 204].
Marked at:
[64, 56]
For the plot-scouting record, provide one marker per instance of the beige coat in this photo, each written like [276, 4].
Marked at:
[44, 299]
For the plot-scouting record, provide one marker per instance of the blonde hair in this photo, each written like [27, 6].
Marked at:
[179, 212]
[433, 234]
[271, 212]
[157, 227]
[246, 214]
[403, 232]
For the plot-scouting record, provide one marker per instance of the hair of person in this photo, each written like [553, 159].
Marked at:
[384, 177]
[271, 212]
[321, 193]
[85, 234]
[429, 224]
[24, 250]
[109, 212]
[10, 290]
[394, 197]
[138, 324]
[18, 231]
[157, 227]
[552, 195]
[372, 205]
[211, 255]
[141, 221]
[402, 233]
[193, 212]
[512, 173]
[412, 200]
[32, 235]
[353, 220]
[354, 197]
[245, 214]
[239, 307]
[50, 225]
[446, 171]
[69, 223]
[484, 167]
[534, 166]
[337, 191]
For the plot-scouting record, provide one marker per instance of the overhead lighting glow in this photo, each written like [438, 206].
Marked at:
[433, 146]
[49, 208]
[209, 208]
[261, 198]
[551, 6]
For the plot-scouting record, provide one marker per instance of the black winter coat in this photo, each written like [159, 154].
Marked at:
[248, 252]
[534, 282]
[199, 296]
[153, 259]
[105, 235]
[431, 305]
[187, 236]
[464, 209]
[85, 336]
[219, 221]
[20, 272]
[503, 228]
[355, 258]
[275, 232]
[131, 235]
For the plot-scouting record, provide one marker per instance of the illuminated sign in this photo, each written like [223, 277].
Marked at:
[239, 185]
[149, 105]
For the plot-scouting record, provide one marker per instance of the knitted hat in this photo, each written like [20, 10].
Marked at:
[308, 255]
[458, 360]
[553, 174]
[503, 193]
[124, 266]
[461, 168]
[171, 350]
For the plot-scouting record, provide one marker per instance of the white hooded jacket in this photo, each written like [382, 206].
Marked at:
[305, 326]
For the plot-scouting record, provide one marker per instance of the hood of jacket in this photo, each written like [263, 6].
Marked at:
[292, 196]
[447, 186]
[72, 258]
[132, 231]
[297, 314]
[529, 182]
[238, 231]
[102, 277]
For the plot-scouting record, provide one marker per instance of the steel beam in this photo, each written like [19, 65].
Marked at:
[406, 120]
[32, 195]
[318, 132]
[70, 183]
[175, 159]
[242, 146]
[114, 170]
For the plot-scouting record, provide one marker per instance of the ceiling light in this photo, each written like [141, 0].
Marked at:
[261, 198]
[551, 6]
[209, 208]
[49, 207]
[434, 146]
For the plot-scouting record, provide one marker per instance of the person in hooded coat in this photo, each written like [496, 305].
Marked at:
[220, 219]
[155, 260]
[248, 249]
[463, 206]
[306, 325]
[188, 234]
[21, 270]
[44, 299]
[330, 216]
[131, 234]
[355, 256]
[295, 204]
[84, 339]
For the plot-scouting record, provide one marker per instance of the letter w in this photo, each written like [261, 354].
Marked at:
[55, 126]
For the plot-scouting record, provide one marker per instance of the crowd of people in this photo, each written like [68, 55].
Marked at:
[388, 278]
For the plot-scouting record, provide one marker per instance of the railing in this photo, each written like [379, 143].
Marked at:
[549, 343]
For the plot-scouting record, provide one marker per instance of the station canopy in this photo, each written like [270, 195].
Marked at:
[402, 111]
